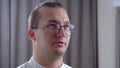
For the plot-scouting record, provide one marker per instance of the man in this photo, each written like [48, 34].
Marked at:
[50, 31]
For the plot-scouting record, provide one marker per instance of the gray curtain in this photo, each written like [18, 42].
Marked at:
[16, 48]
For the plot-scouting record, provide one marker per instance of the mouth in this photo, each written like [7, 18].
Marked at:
[59, 44]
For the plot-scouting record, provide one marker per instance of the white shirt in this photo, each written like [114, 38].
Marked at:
[33, 64]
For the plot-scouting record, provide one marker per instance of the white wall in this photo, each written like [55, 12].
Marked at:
[106, 33]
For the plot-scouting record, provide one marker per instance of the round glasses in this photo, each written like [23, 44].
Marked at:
[54, 28]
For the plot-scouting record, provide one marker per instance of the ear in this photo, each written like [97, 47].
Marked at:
[31, 34]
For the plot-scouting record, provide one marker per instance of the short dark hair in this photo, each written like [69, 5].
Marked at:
[35, 14]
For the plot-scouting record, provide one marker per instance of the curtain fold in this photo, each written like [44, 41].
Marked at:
[16, 48]
[4, 34]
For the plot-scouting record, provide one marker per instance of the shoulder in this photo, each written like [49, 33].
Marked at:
[25, 65]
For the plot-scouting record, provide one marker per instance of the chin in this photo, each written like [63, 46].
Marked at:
[59, 52]
[59, 49]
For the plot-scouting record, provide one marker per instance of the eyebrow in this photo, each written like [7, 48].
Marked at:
[54, 21]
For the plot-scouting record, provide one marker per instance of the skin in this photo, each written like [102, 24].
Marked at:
[48, 50]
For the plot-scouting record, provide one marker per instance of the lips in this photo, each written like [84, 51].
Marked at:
[59, 43]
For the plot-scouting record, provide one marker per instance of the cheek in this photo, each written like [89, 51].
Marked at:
[40, 38]
[68, 39]
[42, 42]
[44, 38]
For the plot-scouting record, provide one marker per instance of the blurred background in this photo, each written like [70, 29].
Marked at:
[95, 43]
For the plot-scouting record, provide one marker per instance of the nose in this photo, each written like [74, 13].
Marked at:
[61, 32]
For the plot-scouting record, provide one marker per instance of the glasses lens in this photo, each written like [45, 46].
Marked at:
[71, 30]
[54, 28]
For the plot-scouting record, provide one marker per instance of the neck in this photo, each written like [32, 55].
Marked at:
[48, 61]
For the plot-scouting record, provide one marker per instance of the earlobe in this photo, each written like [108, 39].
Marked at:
[31, 34]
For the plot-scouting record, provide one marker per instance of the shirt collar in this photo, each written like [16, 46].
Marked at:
[35, 64]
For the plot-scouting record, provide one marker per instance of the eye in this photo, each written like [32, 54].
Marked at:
[67, 26]
[53, 26]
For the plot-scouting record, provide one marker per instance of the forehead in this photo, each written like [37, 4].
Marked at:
[57, 13]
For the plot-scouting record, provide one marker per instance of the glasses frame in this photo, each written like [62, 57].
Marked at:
[68, 27]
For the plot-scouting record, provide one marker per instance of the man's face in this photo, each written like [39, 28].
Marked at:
[52, 44]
